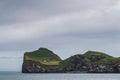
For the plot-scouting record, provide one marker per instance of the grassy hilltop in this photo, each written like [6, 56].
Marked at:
[43, 56]
[99, 57]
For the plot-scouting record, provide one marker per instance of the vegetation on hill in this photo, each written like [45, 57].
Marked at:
[92, 61]
[44, 60]
[43, 56]
[100, 58]
[75, 63]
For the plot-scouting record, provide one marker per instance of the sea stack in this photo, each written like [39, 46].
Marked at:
[44, 60]
[40, 61]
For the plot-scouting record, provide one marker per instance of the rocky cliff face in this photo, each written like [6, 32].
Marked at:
[76, 63]
[100, 68]
[40, 61]
[35, 67]
[102, 63]
[104, 68]
[45, 61]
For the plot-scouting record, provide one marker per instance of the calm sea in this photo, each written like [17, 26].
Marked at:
[20, 76]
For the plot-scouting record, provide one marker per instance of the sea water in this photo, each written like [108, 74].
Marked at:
[57, 76]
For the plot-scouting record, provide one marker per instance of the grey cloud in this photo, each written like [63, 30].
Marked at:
[16, 11]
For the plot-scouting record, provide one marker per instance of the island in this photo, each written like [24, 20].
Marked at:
[44, 60]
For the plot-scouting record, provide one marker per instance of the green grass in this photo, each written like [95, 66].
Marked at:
[43, 56]
[63, 64]
[102, 58]
[51, 63]
[76, 62]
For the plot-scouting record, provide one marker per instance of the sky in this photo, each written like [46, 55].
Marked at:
[67, 27]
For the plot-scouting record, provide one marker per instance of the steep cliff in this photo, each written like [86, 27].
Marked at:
[41, 60]
[102, 63]
[45, 61]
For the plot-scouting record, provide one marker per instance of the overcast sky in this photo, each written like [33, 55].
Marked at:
[66, 27]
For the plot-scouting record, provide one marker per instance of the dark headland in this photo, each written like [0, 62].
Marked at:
[45, 61]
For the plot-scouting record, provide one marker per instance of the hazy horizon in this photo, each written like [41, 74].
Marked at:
[66, 27]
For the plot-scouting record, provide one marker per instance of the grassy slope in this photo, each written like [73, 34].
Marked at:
[99, 57]
[74, 62]
[43, 56]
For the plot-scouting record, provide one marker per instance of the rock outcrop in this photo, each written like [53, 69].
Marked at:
[76, 63]
[104, 68]
[40, 61]
[45, 61]
[30, 66]
[100, 68]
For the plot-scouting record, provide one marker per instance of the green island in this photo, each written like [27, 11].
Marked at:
[44, 60]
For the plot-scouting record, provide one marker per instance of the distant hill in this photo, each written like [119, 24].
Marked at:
[44, 56]
[45, 61]
[99, 57]
[41, 60]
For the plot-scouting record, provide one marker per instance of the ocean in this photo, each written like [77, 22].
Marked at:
[57, 76]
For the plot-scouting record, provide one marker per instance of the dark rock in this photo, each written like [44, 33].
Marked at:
[117, 68]
[35, 67]
[76, 63]
[100, 68]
